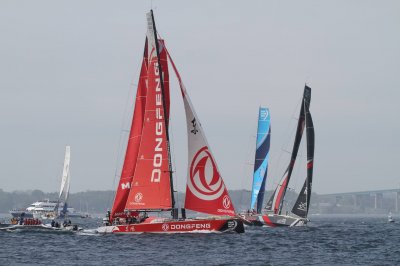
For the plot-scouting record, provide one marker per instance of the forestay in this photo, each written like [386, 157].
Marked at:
[135, 137]
[275, 202]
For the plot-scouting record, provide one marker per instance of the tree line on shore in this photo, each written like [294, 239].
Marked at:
[93, 201]
[98, 202]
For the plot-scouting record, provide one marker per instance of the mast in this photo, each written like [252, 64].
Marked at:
[164, 106]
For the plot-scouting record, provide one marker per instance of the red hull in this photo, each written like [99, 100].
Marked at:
[168, 226]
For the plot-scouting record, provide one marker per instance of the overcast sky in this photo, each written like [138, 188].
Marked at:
[68, 72]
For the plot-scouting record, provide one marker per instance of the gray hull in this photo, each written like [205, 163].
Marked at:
[273, 220]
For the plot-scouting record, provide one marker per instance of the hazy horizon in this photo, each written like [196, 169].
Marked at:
[69, 70]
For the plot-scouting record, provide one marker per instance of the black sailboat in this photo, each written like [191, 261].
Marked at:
[299, 212]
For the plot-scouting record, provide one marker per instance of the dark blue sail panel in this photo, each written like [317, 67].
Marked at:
[261, 159]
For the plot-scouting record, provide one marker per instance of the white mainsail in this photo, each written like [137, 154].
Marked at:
[65, 179]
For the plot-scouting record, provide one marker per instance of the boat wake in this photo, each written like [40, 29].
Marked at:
[88, 232]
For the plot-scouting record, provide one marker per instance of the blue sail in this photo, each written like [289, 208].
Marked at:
[261, 159]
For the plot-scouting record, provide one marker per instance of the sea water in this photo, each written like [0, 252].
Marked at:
[327, 240]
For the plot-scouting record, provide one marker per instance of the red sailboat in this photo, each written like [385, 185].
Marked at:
[146, 184]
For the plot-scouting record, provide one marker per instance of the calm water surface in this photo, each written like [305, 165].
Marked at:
[326, 241]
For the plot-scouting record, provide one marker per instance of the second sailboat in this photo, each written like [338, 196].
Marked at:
[273, 214]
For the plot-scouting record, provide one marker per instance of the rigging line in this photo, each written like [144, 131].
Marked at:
[245, 170]
[173, 157]
[268, 184]
[123, 131]
[295, 117]
[297, 168]
[172, 139]
[276, 171]
[296, 177]
[289, 137]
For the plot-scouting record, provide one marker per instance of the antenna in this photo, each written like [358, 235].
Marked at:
[152, 7]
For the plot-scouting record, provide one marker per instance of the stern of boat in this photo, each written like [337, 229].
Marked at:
[233, 225]
[250, 220]
[284, 220]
